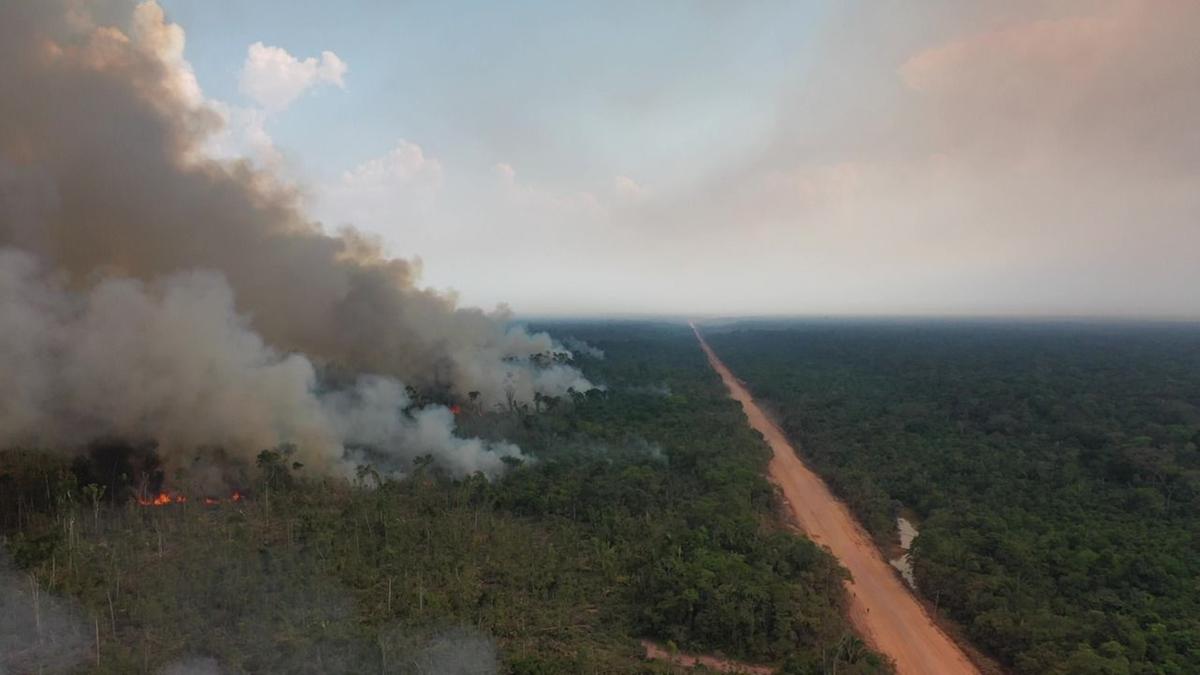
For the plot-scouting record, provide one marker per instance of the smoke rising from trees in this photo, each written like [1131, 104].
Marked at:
[160, 293]
[173, 362]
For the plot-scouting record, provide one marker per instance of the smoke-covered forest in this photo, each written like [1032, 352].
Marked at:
[1054, 470]
[273, 399]
[639, 510]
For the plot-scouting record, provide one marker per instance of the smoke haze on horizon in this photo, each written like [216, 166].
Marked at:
[933, 158]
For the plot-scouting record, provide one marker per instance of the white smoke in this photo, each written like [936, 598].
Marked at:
[39, 631]
[172, 361]
[365, 416]
[458, 652]
[580, 347]
[166, 296]
[103, 173]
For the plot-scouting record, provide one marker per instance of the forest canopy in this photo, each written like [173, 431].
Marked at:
[641, 511]
[1054, 470]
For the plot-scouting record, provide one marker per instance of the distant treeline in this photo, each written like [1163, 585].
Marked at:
[645, 514]
[1054, 468]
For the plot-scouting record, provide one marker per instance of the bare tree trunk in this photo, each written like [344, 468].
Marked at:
[37, 604]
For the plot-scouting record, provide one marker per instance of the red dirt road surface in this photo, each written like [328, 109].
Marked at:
[881, 607]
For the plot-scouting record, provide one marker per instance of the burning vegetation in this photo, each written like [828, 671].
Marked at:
[179, 326]
[132, 316]
[557, 566]
[166, 498]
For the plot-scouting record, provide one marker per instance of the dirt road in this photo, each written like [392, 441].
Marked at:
[881, 607]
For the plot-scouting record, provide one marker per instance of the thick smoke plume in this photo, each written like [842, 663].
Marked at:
[172, 362]
[168, 296]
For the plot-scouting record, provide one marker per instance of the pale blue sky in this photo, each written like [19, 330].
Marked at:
[569, 92]
[1035, 157]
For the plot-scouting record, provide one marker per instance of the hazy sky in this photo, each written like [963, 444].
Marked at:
[935, 157]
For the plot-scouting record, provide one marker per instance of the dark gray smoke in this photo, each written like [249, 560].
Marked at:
[173, 294]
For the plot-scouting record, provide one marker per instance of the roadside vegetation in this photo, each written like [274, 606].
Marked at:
[1054, 469]
[644, 514]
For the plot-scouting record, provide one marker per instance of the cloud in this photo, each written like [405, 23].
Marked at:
[395, 192]
[535, 197]
[273, 78]
[404, 165]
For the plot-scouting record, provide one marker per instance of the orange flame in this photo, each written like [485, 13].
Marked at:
[455, 409]
[167, 498]
[162, 499]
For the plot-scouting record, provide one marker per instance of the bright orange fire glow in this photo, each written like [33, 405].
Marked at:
[165, 498]
[455, 409]
[162, 499]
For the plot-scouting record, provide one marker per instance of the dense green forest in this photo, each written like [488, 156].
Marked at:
[643, 513]
[1054, 470]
